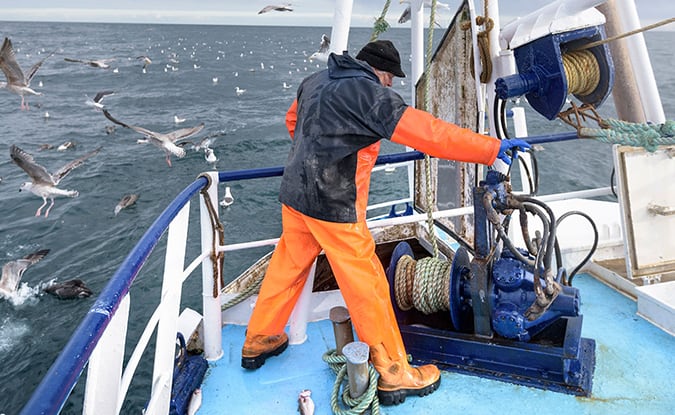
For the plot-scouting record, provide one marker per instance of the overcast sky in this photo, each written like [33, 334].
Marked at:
[245, 12]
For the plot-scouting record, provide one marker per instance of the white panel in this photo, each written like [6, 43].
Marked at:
[648, 187]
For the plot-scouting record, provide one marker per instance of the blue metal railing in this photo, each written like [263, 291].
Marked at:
[54, 389]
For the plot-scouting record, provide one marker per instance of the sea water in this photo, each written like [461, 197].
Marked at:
[194, 73]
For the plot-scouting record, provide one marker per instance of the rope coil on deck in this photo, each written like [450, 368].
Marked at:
[422, 284]
[356, 406]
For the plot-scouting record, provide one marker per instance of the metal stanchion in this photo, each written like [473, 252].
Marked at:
[357, 354]
[342, 327]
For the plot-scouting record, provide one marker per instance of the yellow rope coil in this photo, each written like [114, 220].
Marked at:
[582, 71]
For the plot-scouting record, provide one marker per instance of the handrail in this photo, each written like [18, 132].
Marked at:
[54, 389]
[52, 393]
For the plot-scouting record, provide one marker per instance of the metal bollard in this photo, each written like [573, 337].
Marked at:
[342, 327]
[357, 354]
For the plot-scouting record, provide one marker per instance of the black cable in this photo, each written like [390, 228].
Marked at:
[593, 248]
[496, 116]
[502, 118]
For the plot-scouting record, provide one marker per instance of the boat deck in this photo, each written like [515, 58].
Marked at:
[633, 374]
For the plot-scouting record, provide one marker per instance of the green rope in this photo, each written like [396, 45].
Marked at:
[380, 25]
[430, 288]
[427, 160]
[356, 406]
[422, 284]
[648, 136]
[249, 291]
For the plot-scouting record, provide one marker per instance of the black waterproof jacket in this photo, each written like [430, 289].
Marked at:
[342, 114]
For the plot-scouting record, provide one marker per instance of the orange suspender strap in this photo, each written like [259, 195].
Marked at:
[292, 118]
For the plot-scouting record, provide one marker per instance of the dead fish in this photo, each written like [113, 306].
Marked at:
[305, 403]
[126, 201]
[70, 289]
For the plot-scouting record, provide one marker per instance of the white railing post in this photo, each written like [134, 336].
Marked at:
[167, 327]
[300, 315]
[104, 371]
[213, 317]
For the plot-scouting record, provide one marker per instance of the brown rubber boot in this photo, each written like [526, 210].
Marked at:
[398, 379]
[258, 348]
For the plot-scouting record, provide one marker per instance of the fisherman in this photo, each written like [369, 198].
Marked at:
[336, 124]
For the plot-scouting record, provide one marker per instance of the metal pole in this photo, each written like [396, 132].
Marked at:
[357, 367]
[342, 327]
[213, 347]
[341, 21]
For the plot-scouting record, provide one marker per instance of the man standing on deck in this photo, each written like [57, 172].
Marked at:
[336, 123]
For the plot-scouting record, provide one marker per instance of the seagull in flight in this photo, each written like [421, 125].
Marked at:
[17, 82]
[13, 271]
[42, 182]
[276, 7]
[405, 16]
[146, 61]
[322, 54]
[96, 101]
[167, 142]
[96, 63]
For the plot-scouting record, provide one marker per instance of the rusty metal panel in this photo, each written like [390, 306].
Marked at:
[453, 98]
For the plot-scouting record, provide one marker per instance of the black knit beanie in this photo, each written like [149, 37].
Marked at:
[382, 55]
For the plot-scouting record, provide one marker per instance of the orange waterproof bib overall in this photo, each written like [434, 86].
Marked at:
[350, 250]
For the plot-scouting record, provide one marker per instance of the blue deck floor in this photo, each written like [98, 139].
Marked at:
[633, 375]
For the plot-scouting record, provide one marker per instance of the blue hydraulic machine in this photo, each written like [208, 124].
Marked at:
[506, 314]
[503, 311]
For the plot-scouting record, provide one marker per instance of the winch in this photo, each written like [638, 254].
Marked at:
[507, 313]
[557, 65]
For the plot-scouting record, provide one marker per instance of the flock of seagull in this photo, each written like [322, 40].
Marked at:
[44, 184]
[405, 16]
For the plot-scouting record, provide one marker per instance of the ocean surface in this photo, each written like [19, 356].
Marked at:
[193, 76]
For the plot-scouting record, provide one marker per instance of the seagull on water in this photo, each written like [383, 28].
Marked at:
[167, 142]
[126, 201]
[96, 63]
[17, 82]
[209, 155]
[323, 52]
[68, 290]
[43, 183]
[65, 146]
[227, 199]
[276, 7]
[96, 101]
[239, 91]
[13, 271]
